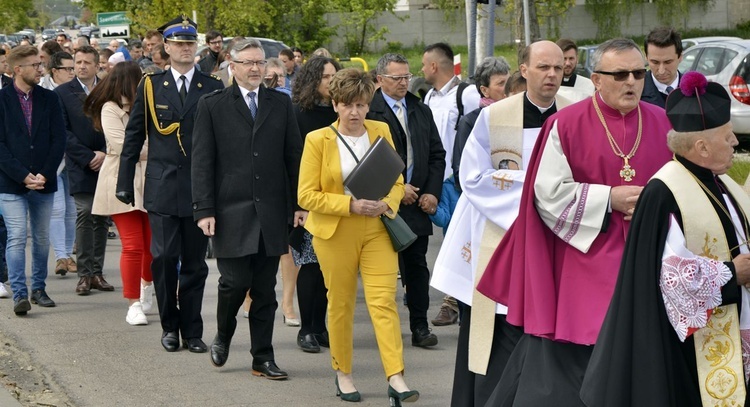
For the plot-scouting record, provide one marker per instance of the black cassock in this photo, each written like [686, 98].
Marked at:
[638, 359]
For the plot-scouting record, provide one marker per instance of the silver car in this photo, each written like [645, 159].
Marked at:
[727, 63]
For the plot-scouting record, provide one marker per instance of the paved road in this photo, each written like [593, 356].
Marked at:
[89, 353]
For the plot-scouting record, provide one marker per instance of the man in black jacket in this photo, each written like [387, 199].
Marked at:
[85, 153]
[663, 52]
[417, 140]
[246, 160]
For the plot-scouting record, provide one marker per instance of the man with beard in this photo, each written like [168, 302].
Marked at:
[32, 142]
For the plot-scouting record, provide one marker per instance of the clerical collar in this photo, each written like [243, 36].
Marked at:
[702, 173]
[569, 81]
[662, 87]
[533, 116]
[541, 109]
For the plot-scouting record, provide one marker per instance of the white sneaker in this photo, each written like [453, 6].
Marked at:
[135, 315]
[4, 291]
[147, 298]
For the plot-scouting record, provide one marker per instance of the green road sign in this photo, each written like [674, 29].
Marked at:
[113, 18]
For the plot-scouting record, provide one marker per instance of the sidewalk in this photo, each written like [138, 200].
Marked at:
[92, 357]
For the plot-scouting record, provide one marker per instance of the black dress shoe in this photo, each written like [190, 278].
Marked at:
[422, 337]
[21, 306]
[308, 343]
[269, 370]
[41, 298]
[323, 339]
[195, 345]
[219, 352]
[170, 340]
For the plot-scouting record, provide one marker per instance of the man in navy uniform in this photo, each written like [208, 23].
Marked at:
[164, 111]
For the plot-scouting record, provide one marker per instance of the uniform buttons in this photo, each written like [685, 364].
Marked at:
[257, 177]
[255, 154]
[257, 199]
[32, 147]
[195, 206]
[179, 167]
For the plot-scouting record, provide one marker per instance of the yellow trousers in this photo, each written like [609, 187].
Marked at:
[361, 244]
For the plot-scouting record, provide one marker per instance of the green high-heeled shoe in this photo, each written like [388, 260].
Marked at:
[353, 396]
[395, 398]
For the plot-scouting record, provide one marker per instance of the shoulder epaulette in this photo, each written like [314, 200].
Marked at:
[216, 92]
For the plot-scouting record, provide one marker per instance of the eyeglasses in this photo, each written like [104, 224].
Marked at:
[67, 68]
[248, 62]
[35, 65]
[398, 78]
[217, 42]
[620, 76]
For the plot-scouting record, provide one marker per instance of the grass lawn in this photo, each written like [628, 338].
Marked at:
[740, 169]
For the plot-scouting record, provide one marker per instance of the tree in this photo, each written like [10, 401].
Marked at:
[14, 15]
[359, 22]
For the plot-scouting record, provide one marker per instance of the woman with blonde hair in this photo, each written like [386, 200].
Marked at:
[109, 107]
[349, 237]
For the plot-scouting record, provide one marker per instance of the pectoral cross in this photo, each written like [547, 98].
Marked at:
[627, 172]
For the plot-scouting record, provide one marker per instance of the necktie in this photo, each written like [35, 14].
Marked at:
[409, 151]
[183, 89]
[669, 90]
[251, 104]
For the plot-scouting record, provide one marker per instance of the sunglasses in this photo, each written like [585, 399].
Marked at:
[620, 76]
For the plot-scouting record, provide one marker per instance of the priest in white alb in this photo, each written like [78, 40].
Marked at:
[492, 173]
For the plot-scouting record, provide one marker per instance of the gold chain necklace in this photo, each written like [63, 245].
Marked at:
[627, 172]
[723, 208]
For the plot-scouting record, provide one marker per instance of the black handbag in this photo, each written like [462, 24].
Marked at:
[400, 233]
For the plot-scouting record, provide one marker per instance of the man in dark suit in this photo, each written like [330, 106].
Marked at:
[32, 143]
[663, 48]
[84, 156]
[246, 162]
[5, 80]
[417, 140]
[164, 109]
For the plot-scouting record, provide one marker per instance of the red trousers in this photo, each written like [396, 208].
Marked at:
[135, 259]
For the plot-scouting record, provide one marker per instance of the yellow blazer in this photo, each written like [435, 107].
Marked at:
[321, 185]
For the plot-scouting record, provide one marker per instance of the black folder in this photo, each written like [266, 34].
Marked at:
[376, 172]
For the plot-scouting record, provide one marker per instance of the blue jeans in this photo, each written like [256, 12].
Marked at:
[62, 227]
[17, 210]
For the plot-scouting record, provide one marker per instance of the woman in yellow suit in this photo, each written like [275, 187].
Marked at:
[348, 235]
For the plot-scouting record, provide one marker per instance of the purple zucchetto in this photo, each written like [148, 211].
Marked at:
[697, 104]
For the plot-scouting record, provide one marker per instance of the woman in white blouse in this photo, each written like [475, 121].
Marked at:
[109, 106]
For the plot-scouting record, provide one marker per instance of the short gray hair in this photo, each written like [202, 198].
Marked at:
[489, 67]
[616, 45]
[275, 63]
[382, 67]
[245, 44]
[681, 142]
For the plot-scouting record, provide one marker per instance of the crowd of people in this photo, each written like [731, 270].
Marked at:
[595, 252]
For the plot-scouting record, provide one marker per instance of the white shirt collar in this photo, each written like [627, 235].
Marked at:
[188, 77]
[662, 87]
[244, 93]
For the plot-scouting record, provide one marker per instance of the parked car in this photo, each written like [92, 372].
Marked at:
[28, 33]
[689, 42]
[726, 63]
[90, 31]
[584, 66]
[51, 33]
[270, 46]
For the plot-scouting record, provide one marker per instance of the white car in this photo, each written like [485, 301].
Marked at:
[726, 63]
[689, 42]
